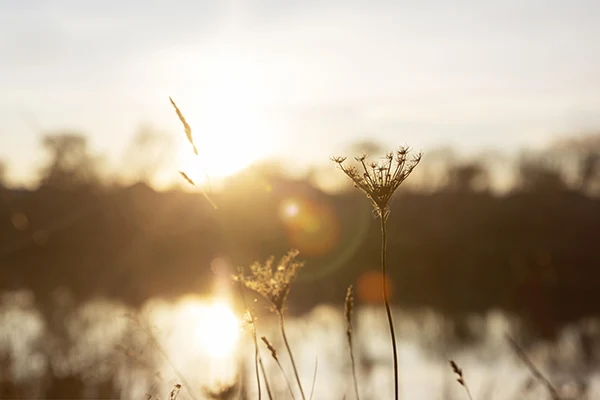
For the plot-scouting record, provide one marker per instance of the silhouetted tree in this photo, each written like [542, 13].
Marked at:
[71, 164]
[2, 174]
[534, 175]
[366, 146]
[149, 151]
[433, 174]
[581, 157]
[470, 177]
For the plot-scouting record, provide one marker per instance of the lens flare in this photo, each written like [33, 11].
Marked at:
[290, 209]
[311, 227]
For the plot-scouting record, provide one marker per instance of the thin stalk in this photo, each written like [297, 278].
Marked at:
[287, 345]
[256, 355]
[262, 368]
[289, 385]
[312, 389]
[388, 310]
[535, 372]
[353, 366]
[162, 351]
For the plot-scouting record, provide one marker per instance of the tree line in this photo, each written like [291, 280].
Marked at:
[456, 244]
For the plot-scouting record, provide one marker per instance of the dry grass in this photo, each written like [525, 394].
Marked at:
[460, 378]
[535, 372]
[348, 309]
[271, 348]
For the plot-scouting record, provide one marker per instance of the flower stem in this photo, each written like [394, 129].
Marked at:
[256, 356]
[287, 345]
[353, 366]
[383, 217]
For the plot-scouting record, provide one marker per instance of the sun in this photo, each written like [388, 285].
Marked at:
[215, 328]
[218, 331]
[228, 115]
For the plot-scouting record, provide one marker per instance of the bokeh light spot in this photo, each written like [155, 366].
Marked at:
[369, 287]
[311, 227]
[20, 221]
[290, 209]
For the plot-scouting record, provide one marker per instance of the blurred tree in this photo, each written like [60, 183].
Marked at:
[148, 152]
[71, 164]
[470, 177]
[535, 175]
[2, 173]
[580, 157]
[368, 147]
[433, 174]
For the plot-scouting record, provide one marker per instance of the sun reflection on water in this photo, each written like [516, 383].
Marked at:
[215, 327]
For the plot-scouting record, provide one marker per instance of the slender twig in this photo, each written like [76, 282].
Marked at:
[289, 350]
[535, 372]
[383, 217]
[312, 389]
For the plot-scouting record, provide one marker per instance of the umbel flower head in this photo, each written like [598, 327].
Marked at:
[379, 180]
[272, 280]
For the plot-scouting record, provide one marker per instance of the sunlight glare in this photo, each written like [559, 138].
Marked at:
[290, 209]
[227, 114]
[216, 328]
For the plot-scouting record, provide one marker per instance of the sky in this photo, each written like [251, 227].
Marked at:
[299, 80]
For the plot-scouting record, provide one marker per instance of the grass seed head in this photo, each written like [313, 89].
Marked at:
[175, 392]
[348, 308]
[270, 347]
[456, 369]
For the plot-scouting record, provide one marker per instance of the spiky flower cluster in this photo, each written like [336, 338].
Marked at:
[272, 280]
[379, 180]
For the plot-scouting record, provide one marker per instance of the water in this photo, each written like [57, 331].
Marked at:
[195, 343]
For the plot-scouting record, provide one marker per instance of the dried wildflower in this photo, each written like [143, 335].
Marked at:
[380, 180]
[248, 320]
[221, 391]
[270, 280]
